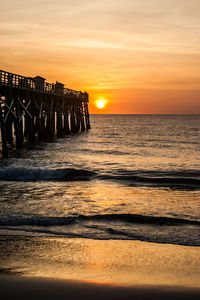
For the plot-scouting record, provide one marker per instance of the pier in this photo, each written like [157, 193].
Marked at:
[31, 108]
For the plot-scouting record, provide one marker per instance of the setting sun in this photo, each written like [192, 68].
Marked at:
[100, 103]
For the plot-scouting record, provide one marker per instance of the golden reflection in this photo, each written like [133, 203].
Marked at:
[114, 261]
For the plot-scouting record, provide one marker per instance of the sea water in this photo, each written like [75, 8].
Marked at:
[131, 177]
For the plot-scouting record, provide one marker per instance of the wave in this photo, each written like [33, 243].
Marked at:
[37, 220]
[104, 151]
[153, 229]
[173, 179]
[188, 179]
[63, 174]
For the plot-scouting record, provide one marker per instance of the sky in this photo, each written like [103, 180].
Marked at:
[140, 56]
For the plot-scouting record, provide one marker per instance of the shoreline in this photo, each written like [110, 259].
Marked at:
[51, 268]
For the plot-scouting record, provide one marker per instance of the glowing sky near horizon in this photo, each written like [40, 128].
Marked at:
[141, 56]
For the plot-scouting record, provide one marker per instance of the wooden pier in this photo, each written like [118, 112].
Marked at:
[31, 108]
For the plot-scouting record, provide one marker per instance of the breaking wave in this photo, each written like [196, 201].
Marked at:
[189, 180]
[37, 220]
[25, 174]
[104, 227]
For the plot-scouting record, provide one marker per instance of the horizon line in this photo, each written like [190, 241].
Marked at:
[150, 114]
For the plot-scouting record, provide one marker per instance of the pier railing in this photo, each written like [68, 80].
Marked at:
[21, 82]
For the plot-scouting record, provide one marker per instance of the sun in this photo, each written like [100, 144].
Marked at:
[100, 103]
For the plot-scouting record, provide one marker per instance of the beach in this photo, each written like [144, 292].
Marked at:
[84, 268]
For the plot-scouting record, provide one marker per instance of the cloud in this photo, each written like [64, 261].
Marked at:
[104, 44]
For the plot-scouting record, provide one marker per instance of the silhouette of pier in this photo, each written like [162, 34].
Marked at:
[31, 108]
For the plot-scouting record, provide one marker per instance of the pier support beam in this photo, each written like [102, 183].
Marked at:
[82, 117]
[78, 119]
[30, 126]
[87, 117]
[59, 123]
[18, 125]
[29, 131]
[72, 120]
[66, 123]
[3, 132]
[9, 118]
[50, 121]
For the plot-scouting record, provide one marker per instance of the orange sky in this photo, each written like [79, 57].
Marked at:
[141, 56]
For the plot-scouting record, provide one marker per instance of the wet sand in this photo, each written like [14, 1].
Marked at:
[49, 268]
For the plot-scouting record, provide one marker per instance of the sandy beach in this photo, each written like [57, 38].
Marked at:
[87, 269]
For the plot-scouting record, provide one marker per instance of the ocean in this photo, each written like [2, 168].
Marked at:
[131, 177]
